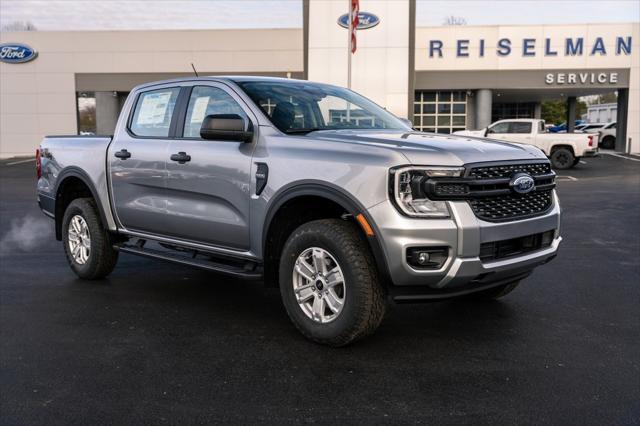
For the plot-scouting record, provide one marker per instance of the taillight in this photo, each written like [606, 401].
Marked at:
[38, 164]
[590, 140]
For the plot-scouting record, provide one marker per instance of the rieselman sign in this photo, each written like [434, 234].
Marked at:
[532, 47]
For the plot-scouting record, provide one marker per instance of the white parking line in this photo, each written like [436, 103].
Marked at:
[21, 162]
[583, 162]
[613, 154]
[571, 178]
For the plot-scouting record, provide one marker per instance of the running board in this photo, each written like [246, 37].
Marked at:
[239, 269]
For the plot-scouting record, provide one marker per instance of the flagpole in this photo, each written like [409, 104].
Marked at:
[350, 32]
[349, 57]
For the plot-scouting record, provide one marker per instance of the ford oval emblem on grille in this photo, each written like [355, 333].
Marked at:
[522, 183]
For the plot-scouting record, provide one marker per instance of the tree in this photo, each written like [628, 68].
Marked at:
[556, 111]
[19, 26]
[454, 20]
[607, 98]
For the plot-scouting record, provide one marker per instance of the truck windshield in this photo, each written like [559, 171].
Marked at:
[302, 107]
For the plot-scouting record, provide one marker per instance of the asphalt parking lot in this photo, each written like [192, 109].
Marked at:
[163, 344]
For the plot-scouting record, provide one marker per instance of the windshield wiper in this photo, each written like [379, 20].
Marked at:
[301, 131]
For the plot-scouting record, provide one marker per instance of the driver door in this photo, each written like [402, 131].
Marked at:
[208, 195]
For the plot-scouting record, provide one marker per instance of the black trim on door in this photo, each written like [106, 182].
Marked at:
[177, 120]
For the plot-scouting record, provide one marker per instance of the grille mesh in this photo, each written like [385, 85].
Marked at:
[506, 171]
[444, 189]
[512, 206]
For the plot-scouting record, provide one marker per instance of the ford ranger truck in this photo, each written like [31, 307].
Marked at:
[564, 149]
[306, 186]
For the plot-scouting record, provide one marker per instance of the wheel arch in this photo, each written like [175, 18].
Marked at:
[318, 191]
[73, 183]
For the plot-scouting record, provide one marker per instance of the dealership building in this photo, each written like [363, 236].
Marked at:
[444, 78]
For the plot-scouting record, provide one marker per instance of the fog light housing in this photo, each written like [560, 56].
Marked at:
[427, 257]
[547, 238]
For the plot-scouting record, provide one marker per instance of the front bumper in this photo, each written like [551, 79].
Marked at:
[463, 234]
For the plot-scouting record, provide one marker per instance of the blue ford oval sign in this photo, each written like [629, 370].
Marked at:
[522, 183]
[15, 53]
[365, 20]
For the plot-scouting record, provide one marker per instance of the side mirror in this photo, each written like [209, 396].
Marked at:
[488, 131]
[226, 127]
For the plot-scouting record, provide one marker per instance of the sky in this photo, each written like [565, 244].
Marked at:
[54, 15]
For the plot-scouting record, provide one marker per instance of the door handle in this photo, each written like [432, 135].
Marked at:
[123, 154]
[180, 157]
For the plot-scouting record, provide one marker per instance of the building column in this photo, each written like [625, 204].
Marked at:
[621, 120]
[484, 100]
[537, 110]
[107, 110]
[571, 113]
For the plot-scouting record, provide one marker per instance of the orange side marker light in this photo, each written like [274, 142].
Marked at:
[365, 225]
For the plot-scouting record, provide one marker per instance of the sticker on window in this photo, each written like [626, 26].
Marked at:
[154, 108]
[199, 109]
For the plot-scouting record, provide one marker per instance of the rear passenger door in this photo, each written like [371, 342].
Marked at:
[137, 161]
[208, 196]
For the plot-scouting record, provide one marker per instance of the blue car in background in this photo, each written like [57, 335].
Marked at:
[563, 127]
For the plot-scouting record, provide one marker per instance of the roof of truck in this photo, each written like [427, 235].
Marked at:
[228, 78]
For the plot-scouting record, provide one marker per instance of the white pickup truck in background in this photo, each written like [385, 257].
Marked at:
[564, 149]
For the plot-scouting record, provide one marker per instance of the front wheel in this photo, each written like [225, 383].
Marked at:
[87, 243]
[329, 283]
[562, 158]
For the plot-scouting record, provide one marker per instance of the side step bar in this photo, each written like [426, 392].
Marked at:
[239, 269]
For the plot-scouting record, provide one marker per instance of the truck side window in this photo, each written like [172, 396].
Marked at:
[207, 100]
[500, 128]
[520, 127]
[153, 112]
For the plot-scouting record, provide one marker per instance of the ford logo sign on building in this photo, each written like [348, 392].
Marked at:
[15, 53]
[365, 20]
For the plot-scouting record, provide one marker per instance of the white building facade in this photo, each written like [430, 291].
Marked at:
[442, 78]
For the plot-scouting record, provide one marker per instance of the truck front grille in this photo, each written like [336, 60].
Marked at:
[506, 170]
[511, 206]
[487, 189]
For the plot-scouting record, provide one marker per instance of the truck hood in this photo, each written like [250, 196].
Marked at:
[434, 149]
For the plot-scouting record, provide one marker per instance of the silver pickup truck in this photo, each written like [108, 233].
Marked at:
[307, 186]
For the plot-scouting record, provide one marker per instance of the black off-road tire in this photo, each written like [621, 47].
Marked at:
[364, 304]
[576, 161]
[495, 292]
[562, 159]
[609, 142]
[102, 257]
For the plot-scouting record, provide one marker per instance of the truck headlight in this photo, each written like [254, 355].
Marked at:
[409, 194]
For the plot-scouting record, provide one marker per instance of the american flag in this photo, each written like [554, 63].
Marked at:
[353, 13]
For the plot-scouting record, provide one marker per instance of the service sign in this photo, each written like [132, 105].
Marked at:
[365, 20]
[16, 53]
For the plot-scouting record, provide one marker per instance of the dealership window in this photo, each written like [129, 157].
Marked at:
[86, 102]
[507, 110]
[440, 112]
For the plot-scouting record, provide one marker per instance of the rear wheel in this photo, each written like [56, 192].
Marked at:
[87, 244]
[495, 292]
[329, 283]
[609, 142]
[562, 158]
